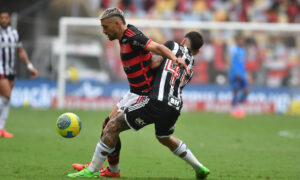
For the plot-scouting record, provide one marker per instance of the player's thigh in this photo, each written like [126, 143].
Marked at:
[6, 87]
[113, 112]
[234, 83]
[244, 83]
[117, 124]
[127, 100]
[165, 123]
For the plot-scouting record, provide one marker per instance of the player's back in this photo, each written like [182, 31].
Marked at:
[170, 79]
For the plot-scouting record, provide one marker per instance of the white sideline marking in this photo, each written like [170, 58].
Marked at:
[293, 133]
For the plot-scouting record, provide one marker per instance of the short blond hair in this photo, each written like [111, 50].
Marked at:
[112, 12]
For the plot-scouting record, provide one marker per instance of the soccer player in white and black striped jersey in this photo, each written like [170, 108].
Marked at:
[10, 46]
[161, 108]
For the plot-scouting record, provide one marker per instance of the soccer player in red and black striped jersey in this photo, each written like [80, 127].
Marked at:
[135, 52]
[161, 107]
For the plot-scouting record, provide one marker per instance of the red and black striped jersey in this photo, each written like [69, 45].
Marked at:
[136, 60]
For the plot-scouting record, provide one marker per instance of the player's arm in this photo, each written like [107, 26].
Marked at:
[156, 60]
[165, 52]
[22, 54]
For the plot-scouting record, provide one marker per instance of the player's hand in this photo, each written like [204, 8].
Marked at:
[179, 62]
[33, 72]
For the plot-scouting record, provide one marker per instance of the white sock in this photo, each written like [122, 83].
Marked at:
[99, 157]
[189, 157]
[4, 109]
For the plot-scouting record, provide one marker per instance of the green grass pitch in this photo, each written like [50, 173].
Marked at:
[235, 149]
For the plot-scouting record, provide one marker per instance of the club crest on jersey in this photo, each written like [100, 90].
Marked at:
[140, 122]
[123, 48]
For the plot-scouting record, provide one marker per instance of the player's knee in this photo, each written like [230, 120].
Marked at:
[111, 128]
[165, 140]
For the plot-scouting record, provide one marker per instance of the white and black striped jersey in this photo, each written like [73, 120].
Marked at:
[170, 79]
[9, 42]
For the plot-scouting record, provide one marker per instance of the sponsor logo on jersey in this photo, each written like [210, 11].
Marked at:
[174, 101]
[138, 44]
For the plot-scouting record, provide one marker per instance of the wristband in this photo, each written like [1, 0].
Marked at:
[30, 66]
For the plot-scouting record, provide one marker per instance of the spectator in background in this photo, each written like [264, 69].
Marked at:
[9, 46]
[237, 76]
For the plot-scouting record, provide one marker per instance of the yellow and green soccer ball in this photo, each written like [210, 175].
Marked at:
[68, 125]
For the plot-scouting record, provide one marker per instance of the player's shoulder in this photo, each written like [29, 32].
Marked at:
[132, 31]
[11, 29]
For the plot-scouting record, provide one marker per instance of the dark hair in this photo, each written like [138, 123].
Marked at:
[113, 12]
[4, 10]
[196, 40]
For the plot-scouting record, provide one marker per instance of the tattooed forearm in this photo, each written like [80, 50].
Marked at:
[113, 128]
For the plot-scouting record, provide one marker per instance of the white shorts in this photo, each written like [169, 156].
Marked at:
[129, 99]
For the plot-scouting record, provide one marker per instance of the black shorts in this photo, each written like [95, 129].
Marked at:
[151, 111]
[10, 77]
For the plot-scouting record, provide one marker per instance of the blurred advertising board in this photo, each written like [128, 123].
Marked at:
[95, 95]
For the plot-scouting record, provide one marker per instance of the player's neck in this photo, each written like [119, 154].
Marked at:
[123, 29]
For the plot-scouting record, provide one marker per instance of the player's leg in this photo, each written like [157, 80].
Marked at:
[164, 128]
[113, 169]
[179, 148]
[239, 111]
[6, 86]
[105, 146]
[245, 91]
[115, 161]
[234, 83]
[235, 98]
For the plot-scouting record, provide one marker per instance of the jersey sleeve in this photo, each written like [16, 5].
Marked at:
[140, 41]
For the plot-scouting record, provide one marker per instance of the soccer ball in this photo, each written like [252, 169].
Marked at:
[68, 125]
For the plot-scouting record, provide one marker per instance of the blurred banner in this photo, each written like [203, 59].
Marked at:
[90, 94]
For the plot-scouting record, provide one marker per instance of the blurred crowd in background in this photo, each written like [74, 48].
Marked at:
[209, 10]
[272, 57]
